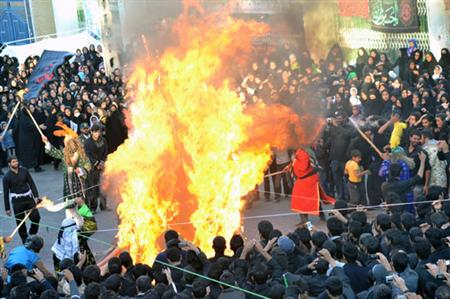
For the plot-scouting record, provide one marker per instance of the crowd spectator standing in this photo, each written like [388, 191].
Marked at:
[401, 107]
[81, 96]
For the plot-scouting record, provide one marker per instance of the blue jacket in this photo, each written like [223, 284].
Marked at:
[8, 141]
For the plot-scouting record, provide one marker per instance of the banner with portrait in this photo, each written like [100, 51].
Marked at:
[394, 16]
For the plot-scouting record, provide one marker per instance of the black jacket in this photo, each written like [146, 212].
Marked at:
[96, 150]
[316, 284]
[400, 187]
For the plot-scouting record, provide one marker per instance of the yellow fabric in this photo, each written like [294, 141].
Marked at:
[397, 133]
[351, 169]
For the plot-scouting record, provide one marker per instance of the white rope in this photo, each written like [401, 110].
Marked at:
[75, 193]
[266, 216]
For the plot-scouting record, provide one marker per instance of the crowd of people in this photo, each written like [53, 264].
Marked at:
[81, 96]
[386, 141]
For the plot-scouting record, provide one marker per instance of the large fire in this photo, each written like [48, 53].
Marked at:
[193, 152]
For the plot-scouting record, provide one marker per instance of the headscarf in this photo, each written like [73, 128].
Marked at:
[66, 245]
[429, 66]
[354, 99]
[68, 226]
[362, 59]
[444, 61]
[410, 51]
[438, 75]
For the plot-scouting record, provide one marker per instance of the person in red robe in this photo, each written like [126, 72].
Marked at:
[307, 191]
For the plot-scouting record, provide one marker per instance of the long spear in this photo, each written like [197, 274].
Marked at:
[34, 121]
[366, 138]
[20, 95]
[11, 118]
[44, 203]
[11, 235]
[275, 173]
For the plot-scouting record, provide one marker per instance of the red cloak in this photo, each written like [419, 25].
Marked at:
[307, 191]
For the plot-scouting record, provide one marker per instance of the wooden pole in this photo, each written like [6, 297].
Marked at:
[11, 118]
[20, 224]
[275, 173]
[34, 121]
[366, 138]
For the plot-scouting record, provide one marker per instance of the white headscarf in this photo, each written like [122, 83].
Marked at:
[66, 245]
[354, 99]
[437, 75]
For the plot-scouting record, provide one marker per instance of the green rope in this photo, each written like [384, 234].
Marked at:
[211, 279]
[157, 261]
[57, 229]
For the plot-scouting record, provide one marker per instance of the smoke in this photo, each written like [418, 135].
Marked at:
[193, 150]
[282, 128]
[150, 27]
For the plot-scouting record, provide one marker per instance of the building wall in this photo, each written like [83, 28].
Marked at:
[438, 12]
[139, 17]
[320, 24]
[42, 16]
[66, 15]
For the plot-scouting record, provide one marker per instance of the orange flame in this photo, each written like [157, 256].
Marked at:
[190, 156]
[45, 203]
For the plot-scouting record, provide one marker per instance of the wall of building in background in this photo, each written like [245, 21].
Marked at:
[92, 16]
[66, 15]
[382, 25]
[15, 21]
[43, 18]
[320, 25]
[438, 13]
[21, 19]
[110, 20]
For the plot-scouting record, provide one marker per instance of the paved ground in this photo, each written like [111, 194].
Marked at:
[49, 184]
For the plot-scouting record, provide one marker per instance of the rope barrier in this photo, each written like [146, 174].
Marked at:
[56, 229]
[267, 216]
[75, 193]
[211, 279]
[157, 261]
[245, 218]
[380, 206]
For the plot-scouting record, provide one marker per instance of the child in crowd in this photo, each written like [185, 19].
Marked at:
[355, 175]
[8, 145]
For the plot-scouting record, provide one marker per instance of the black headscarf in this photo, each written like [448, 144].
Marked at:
[445, 59]
[429, 66]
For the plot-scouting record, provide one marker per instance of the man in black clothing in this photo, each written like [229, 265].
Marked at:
[96, 149]
[414, 149]
[29, 145]
[358, 275]
[19, 185]
[338, 137]
[317, 279]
